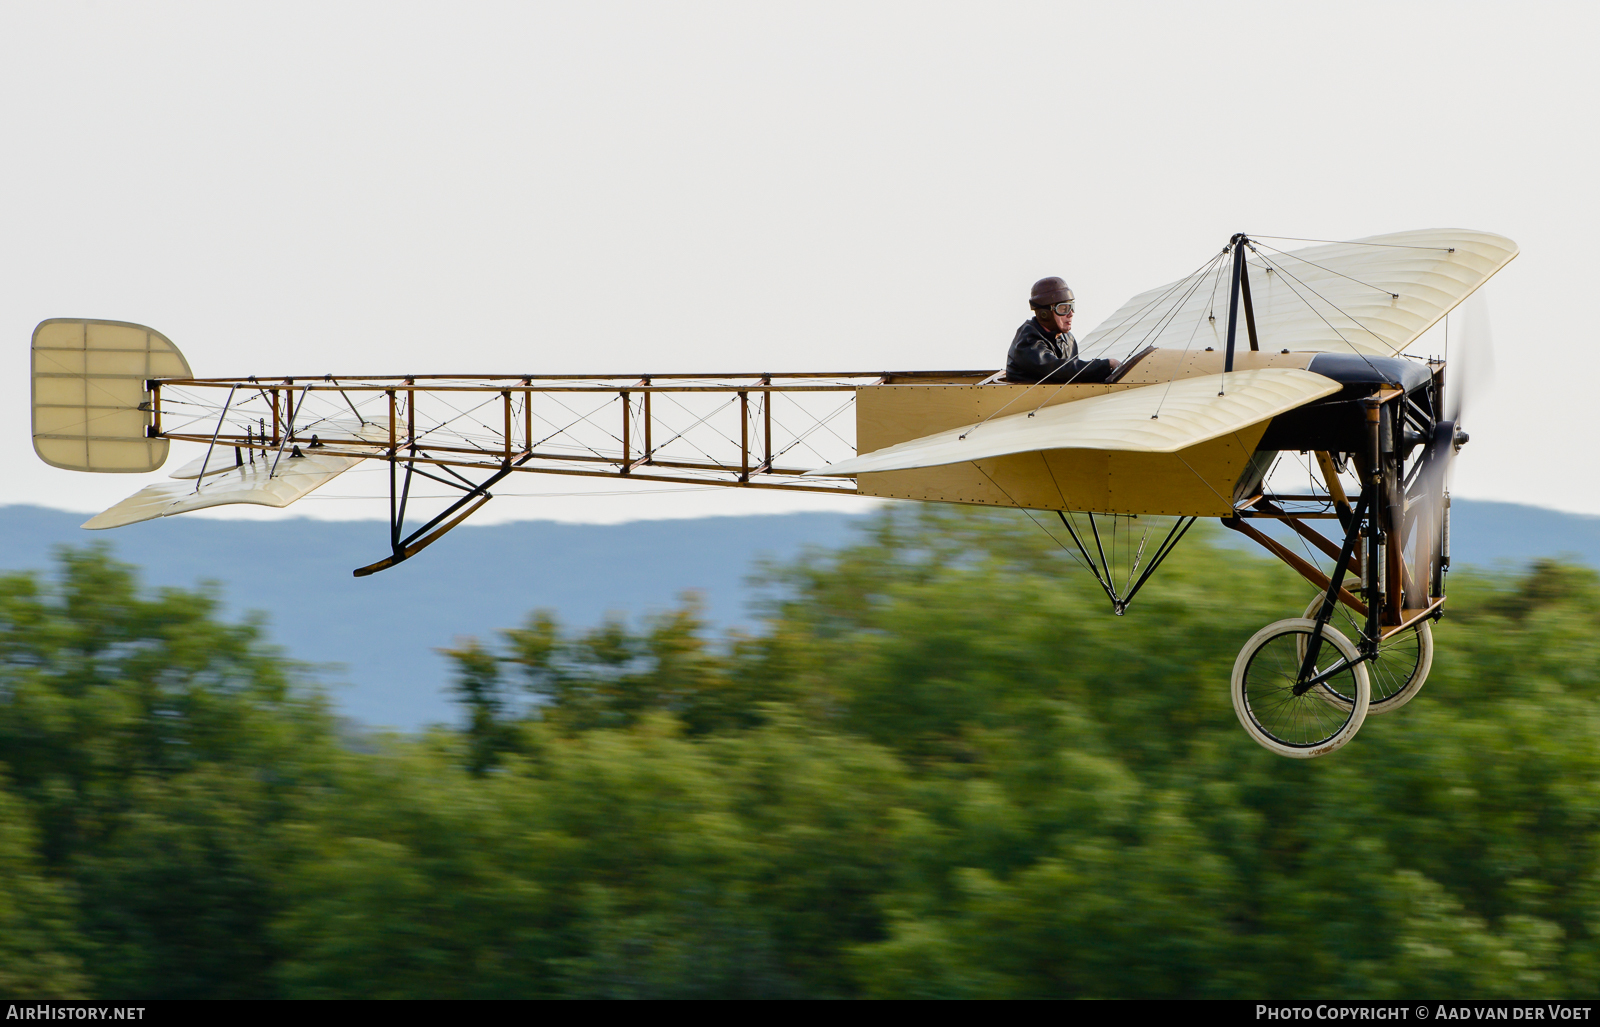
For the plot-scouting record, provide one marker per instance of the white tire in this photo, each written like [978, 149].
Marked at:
[1305, 725]
[1397, 675]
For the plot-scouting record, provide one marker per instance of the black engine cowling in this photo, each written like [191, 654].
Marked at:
[1337, 424]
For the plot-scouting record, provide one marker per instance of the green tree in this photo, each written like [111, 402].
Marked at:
[158, 748]
[610, 676]
[39, 945]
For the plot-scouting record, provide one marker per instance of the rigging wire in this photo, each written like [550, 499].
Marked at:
[732, 401]
[1153, 303]
[490, 440]
[1353, 242]
[1331, 271]
[566, 429]
[1324, 320]
[538, 495]
[708, 415]
[1156, 329]
[1119, 602]
[1138, 315]
[1031, 517]
[554, 398]
[1198, 276]
[1195, 331]
[820, 423]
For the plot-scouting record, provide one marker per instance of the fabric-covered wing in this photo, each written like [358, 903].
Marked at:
[259, 483]
[1153, 419]
[1372, 296]
[346, 428]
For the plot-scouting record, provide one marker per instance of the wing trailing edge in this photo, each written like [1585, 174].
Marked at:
[275, 479]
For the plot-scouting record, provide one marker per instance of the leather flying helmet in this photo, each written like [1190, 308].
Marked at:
[1049, 291]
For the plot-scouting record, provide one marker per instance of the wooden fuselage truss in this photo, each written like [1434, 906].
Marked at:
[767, 431]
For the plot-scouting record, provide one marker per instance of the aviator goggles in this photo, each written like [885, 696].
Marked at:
[1061, 308]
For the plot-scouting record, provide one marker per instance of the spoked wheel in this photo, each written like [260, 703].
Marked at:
[1311, 723]
[1404, 659]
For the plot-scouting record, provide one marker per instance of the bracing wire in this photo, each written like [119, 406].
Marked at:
[1002, 490]
[1353, 242]
[1353, 348]
[1331, 271]
[1138, 315]
[1198, 273]
[1159, 326]
[1190, 342]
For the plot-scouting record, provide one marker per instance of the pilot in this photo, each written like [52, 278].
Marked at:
[1044, 349]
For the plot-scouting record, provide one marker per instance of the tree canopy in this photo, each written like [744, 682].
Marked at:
[939, 768]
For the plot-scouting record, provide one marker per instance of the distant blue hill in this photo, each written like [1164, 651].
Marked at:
[385, 629]
[1489, 534]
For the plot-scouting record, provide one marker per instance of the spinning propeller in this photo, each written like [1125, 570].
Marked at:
[1472, 362]
[1467, 378]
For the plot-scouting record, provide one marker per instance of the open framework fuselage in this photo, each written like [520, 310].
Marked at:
[1220, 381]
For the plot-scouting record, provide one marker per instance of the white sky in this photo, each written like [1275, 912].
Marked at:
[587, 187]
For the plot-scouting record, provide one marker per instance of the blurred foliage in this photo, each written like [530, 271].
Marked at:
[941, 768]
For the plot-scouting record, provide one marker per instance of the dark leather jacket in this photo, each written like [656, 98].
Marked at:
[1035, 357]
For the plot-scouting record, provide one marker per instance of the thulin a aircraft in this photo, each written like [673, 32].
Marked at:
[1262, 365]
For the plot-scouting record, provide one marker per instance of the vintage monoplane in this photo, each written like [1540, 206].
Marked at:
[1320, 395]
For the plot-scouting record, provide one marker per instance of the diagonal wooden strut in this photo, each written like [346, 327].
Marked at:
[1299, 565]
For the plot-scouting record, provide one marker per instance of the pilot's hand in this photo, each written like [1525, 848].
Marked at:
[1114, 362]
